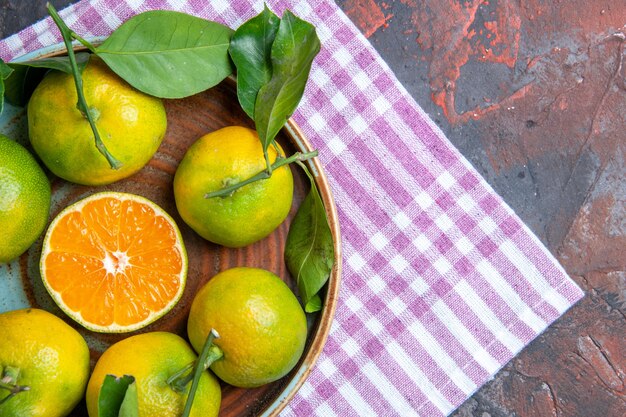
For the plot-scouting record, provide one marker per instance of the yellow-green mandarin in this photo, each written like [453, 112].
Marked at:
[152, 358]
[53, 361]
[131, 125]
[224, 157]
[261, 325]
[24, 199]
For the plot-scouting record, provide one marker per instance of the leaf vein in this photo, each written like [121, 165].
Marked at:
[158, 52]
[308, 254]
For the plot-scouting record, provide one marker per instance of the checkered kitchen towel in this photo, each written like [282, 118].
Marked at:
[442, 283]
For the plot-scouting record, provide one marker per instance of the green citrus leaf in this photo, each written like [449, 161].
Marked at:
[26, 75]
[250, 50]
[130, 405]
[169, 54]
[21, 84]
[5, 72]
[309, 250]
[59, 63]
[314, 304]
[113, 395]
[295, 46]
[1, 95]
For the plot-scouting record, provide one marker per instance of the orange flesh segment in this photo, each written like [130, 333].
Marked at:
[114, 261]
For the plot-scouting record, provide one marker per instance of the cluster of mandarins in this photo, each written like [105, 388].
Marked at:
[115, 262]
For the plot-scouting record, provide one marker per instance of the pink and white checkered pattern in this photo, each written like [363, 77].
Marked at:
[442, 283]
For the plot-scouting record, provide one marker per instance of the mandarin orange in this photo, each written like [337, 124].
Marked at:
[114, 262]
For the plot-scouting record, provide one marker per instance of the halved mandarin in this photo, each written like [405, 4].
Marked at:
[114, 262]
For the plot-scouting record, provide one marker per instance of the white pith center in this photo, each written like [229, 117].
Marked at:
[115, 262]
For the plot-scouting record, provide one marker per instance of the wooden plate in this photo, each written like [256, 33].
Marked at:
[188, 119]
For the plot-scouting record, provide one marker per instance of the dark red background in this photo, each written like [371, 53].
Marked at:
[533, 93]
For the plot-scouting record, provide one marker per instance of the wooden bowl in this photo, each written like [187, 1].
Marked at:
[188, 119]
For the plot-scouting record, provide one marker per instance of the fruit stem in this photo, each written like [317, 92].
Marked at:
[210, 353]
[85, 43]
[66, 32]
[277, 149]
[9, 382]
[179, 380]
[279, 162]
[268, 165]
